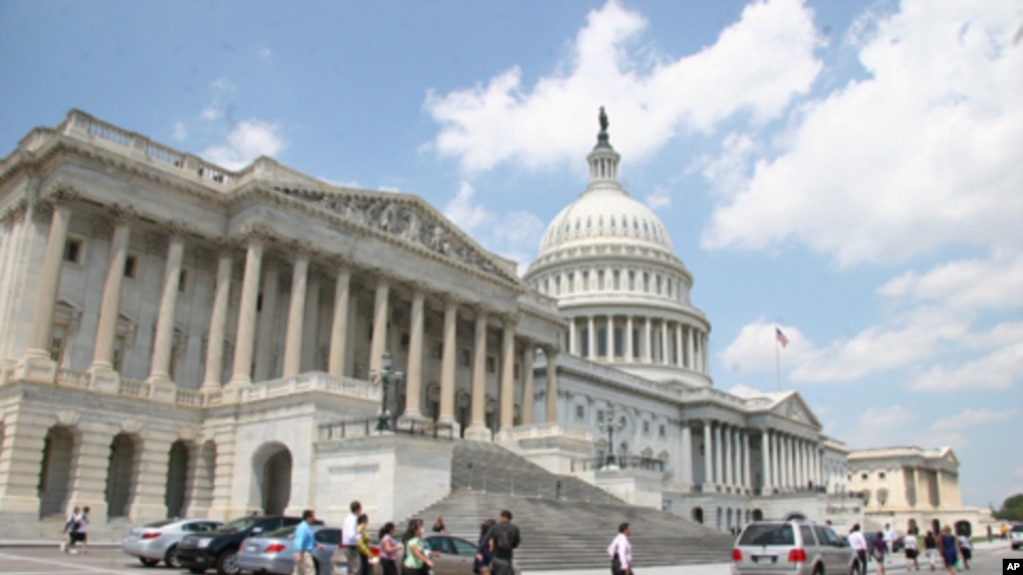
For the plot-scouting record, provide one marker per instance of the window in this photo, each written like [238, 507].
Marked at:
[880, 474]
[465, 357]
[73, 251]
[118, 359]
[662, 430]
[580, 412]
[515, 371]
[58, 341]
[863, 476]
[491, 364]
[646, 427]
[436, 349]
[130, 265]
[404, 340]
[183, 281]
[600, 416]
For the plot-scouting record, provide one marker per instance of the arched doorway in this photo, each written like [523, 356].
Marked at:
[721, 519]
[728, 519]
[55, 471]
[758, 515]
[120, 475]
[698, 515]
[963, 527]
[935, 526]
[177, 477]
[272, 467]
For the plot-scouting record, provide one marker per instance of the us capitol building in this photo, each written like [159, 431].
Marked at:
[178, 339]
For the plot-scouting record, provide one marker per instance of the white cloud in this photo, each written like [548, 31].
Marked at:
[463, 212]
[180, 132]
[756, 349]
[222, 90]
[974, 284]
[743, 390]
[392, 189]
[266, 54]
[660, 198]
[512, 235]
[758, 64]
[247, 141]
[999, 369]
[922, 154]
[971, 418]
[881, 426]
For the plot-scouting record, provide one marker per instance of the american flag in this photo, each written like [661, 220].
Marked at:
[778, 335]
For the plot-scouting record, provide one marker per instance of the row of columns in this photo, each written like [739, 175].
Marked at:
[678, 344]
[790, 462]
[297, 312]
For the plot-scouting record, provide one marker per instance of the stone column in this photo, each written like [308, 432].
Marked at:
[148, 503]
[609, 339]
[572, 349]
[765, 462]
[708, 455]
[414, 377]
[691, 349]
[311, 327]
[87, 482]
[508, 374]
[159, 373]
[628, 339]
[527, 384]
[665, 355]
[719, 460]
[296, 314]
[551, 411]
[246, 335]
[379, 343]
[726, 463]
[648, 353]
[267, 335]
[939, 503]
[218, 323]
[447, 363]
[103, 356]
[21, 459]
[591, 339]
[49, 280]
[339, 326]
[678, 345]
[687, 454]
[478, 425]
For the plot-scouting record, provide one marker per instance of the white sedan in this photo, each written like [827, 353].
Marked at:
[158, 541]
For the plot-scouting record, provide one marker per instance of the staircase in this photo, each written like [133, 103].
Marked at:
[571, 531]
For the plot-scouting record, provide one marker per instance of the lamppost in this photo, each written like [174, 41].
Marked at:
[384, 378]
[610, 425]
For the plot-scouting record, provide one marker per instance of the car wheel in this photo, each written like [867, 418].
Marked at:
[228, 563]
[148, 562]
[170, 558]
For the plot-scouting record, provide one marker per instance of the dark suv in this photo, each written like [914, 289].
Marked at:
[219, 548]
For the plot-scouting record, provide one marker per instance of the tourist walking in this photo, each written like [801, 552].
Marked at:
[889, 540]
[912, 551]
[485, 549]
[859, 545]
[304, 543]
[388, 549]
[71, 529]
[364, 551]
[878, 550]
[966, 549]
[350, 538]
[82, 534]
[417, 561]
[931, 547]
[438, 525]
[948, 546]
[620, 551]
[505, 538]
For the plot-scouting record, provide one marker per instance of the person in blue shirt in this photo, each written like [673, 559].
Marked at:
[304, 544]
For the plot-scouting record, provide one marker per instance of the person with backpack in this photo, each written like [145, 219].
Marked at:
[486, 551]
[620, 551]
[504, 536]
[71, 529]
[931, 546]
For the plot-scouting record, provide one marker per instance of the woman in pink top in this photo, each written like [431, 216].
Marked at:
[389, 549]
[620, 551]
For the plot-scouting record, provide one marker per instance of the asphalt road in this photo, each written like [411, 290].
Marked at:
[109, 561]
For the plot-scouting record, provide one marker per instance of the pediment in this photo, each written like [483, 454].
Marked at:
[793, 407]
[407, 218]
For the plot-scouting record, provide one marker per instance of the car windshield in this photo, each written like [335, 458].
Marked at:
[281, 533]
[768, 535]
[238, 525]
[156, 524]
[1017, 528]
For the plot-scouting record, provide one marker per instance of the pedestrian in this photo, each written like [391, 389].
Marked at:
[859, 544]
[1005, 531]
[82, 534]
[350, 538]
[989, 534]
[417, 561]
[948, 546]
[912, 551]
[438, 525]
[931, 547]
[504, 536]
[304, 543]
[364, 551]
[966, 549]
[620, 551]
[878, 550]
[388, 549]
[71, 529]
[889, 540]
[485, 550]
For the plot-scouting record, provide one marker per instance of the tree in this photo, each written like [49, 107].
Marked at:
[1012, 509]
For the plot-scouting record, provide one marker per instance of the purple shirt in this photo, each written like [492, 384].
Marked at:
[386, 542]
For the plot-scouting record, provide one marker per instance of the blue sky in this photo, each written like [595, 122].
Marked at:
[849, 171]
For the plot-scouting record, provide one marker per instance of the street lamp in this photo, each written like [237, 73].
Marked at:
[610, 426]
[384, 378]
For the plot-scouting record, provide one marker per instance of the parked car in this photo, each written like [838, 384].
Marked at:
[1016, 536]
[274, 552]
[159, 541]
[450, 556]
[792, 547]
[219, 549]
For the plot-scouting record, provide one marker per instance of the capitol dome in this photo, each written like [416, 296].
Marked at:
[609, 262]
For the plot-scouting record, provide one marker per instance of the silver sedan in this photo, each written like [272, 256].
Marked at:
[158, 541]
[274, 552]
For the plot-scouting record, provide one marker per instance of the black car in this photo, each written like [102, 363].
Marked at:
[219, 548]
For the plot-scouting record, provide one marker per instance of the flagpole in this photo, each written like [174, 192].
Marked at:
[777, 361]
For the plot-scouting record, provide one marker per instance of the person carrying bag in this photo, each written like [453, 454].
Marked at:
[620, 551]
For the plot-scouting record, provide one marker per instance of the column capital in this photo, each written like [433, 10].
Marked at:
[177, 229]
[15, 212]
[123, 213]
[61, 193]
[301, 249]
[256, 232]
[509, 320]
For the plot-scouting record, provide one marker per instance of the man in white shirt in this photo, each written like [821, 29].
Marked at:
[622, 548]
[889, 540]
[350, 538]
[859, 544]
